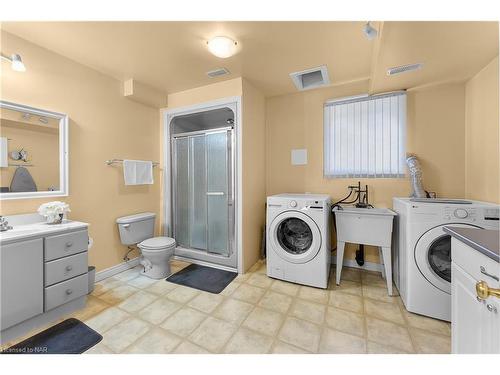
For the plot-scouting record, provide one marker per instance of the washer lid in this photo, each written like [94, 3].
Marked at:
[157, 243]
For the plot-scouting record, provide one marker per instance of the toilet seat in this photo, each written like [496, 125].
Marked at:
[157, 243]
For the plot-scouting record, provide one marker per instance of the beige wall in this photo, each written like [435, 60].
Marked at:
[42, 146]
[435, 134]
[254, 175]
[103, 125]
[482, 136]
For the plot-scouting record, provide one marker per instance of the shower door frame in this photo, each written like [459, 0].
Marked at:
[233, 103]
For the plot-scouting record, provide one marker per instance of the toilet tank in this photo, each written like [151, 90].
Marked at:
[136, 228]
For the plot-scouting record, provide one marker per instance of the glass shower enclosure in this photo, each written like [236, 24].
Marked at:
[203, 189]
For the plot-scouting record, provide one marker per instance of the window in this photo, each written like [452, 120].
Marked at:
[365, 136]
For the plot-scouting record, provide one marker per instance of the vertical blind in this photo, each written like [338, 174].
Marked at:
[365, 136]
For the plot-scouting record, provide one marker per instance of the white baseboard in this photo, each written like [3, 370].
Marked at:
[370, 266]
[108, 272]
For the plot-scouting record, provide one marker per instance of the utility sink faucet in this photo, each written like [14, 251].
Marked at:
[4, 224]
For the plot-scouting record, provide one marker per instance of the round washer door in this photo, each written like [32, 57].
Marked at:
[295, 237]
[433, 256]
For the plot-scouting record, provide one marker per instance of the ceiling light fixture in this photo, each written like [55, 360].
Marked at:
[16, 63]
[222, 46]
[369, 31]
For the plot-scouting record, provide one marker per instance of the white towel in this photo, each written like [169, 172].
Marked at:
[138, 172]
[4, 161]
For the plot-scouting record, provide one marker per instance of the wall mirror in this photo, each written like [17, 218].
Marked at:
[33, 152]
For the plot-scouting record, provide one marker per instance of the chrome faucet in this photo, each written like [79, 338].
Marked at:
[4, 224]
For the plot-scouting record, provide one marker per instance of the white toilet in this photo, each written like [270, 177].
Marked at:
[155, 251]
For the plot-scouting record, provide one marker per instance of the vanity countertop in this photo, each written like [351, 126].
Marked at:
[38, 229]
[486, 241]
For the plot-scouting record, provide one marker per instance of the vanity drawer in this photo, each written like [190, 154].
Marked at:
[66, 244]
[65, 268]
[476, 264]
[66, 291]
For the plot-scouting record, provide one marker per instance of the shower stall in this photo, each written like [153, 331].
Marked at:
[202, 154]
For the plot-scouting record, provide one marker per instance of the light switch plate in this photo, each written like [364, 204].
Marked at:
[299, 156]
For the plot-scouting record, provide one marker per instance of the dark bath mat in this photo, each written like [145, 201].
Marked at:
[208, 279]
[68, 337]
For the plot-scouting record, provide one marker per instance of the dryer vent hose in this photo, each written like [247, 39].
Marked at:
[417, 189]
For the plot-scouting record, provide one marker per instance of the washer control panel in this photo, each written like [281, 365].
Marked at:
[460, 213]
[470, 214]
[307, 204]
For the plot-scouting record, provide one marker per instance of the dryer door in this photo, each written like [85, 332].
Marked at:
[294, 236]
[433, 256]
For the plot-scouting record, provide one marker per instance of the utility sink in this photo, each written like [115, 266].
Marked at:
[367, 226]
[367, 211]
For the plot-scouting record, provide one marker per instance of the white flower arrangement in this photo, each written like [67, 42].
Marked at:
[53, 211]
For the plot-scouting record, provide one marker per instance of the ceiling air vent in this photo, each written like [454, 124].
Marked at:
[404, 68]
[217, 72]
[311, 78]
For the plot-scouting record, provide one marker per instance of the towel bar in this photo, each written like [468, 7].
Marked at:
[114, 161]
[21, 165]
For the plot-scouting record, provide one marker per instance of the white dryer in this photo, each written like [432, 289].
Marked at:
[298, 243]
[422, 250]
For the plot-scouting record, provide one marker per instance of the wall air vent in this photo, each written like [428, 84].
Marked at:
[404, 68]
[217, 72]
[311, 78]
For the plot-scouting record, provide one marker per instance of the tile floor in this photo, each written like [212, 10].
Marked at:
[256, 314]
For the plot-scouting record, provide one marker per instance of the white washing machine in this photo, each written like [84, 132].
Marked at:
[298, 243]
[421, 258]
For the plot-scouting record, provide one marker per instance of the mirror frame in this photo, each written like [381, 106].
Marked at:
[63, 153]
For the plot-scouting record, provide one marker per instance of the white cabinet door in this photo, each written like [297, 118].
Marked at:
[475, 323]
[21, 281]
[465, 313]
[491, 326]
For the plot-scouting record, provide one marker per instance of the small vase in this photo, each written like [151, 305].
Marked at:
[57, 220]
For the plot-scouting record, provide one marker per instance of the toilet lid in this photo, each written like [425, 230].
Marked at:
[157, 243]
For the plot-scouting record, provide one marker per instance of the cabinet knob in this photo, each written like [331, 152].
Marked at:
[483, 291]
[69, 291]
[69, 268]
[69, 244]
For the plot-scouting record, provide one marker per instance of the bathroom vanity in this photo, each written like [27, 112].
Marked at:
[43, 272]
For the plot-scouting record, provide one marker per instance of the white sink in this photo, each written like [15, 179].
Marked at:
[369, 226]
[31, 225]
[367, 211]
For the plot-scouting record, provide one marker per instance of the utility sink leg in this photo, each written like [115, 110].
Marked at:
[381, 256]
[386, 254]
[340, 260]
